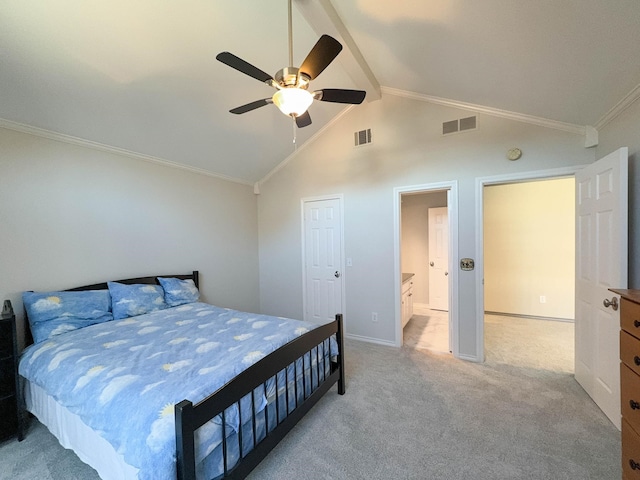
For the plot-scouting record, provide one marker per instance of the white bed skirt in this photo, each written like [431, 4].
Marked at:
[74, 434]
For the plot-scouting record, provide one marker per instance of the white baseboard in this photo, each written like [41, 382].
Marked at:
[530, 317]
[377, 341]
[469, 358]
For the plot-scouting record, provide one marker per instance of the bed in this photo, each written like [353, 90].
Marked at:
[186, 390]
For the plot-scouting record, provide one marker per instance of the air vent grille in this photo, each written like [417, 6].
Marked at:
[461, 125]
[450, 127]
[363, 137]
[468, 123]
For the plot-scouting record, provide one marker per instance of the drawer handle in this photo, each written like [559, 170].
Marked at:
[634, 465]
[636, 360]
[636, 323]
[634, 405]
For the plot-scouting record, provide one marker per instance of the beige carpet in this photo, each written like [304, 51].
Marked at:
[516, 341]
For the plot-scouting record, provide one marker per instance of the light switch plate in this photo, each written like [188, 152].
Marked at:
[467, 264]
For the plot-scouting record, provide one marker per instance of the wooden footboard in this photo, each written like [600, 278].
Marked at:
[190, 417]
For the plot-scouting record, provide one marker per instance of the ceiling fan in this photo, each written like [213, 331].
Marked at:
[293, 97]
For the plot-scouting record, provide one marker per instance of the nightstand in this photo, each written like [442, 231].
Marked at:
[10, 421]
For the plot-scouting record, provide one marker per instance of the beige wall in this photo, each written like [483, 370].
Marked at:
[73, 216]
[529, 248]
[408, 149]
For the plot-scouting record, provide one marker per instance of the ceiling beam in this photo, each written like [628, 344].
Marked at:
[324, 19]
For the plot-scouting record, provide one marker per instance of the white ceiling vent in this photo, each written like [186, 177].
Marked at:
[363, 137]
[461, 125]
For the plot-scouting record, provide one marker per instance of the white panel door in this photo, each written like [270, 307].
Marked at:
[601, 263]
[322, 260]
[439, 258]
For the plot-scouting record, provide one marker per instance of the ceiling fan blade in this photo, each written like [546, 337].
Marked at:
[339, 95]
[251, 106]
[321, 55]
[303, 120]
[244, 67]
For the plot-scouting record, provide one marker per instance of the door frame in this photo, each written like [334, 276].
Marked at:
[481, 182]
[303, 201]
[452, 204]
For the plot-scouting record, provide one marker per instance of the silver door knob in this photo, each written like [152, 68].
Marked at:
[431, 263]
[337, 274]
[613, 303]
[446, 273]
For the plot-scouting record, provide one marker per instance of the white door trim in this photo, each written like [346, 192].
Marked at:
[340, 198]
[481, 182]
[452, 204]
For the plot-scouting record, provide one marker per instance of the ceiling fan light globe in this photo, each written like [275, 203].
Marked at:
[293, 101]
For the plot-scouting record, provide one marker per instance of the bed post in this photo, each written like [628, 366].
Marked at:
[340, 338]
[196, 278]
[185, 443]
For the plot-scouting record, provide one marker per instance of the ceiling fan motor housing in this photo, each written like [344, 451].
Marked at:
[292, 77]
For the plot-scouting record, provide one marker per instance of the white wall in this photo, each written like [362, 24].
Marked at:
[415, 239]
[408, 149]
[624, 131]
[529, 248]
[74, 216]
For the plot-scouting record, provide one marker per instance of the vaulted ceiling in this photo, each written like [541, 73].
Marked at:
[141, 76]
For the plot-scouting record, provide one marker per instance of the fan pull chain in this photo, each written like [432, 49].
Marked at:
[295, 131]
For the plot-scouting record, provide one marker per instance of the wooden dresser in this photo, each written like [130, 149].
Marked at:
[630, 381]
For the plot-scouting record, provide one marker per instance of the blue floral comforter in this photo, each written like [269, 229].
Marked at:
[123, 377]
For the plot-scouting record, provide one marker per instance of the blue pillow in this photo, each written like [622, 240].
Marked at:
[178, 292]
[136, 299]
[54, 313]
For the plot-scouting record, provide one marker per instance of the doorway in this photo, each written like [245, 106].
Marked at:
[529, 273]
[601, 191]
[419, 324]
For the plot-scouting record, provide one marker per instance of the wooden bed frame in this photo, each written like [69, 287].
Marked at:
[190, 417]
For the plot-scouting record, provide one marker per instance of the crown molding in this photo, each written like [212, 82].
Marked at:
[496, 112]
[619, 107]
[61, 137]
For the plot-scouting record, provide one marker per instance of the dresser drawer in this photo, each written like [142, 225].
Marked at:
[630, 396]
[630, 351]
[630, 452]
[630, 317]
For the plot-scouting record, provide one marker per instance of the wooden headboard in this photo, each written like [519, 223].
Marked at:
[103, 286]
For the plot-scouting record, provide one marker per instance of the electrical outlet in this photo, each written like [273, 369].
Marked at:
[543, 299]
[374, 316]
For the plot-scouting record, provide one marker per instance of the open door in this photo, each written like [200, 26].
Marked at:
[438, 219]
[601, 263]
